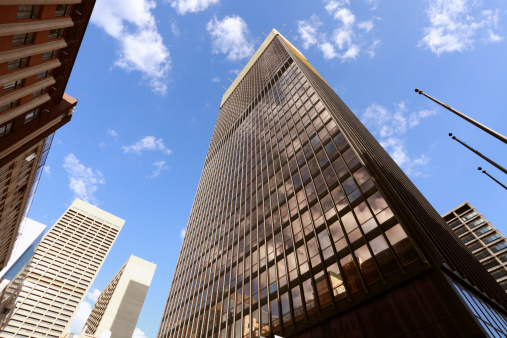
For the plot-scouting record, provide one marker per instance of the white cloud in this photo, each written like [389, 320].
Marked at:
[454, 25]
[366, 25]
[396, 147]
[191, 6]
[112, 133]
[308, 31]
[47, 170]
[229, 36]
[159, 166]
[183, 232]
[84, 181]
[102, 145]
[147, 143]
[141, 47]
[391, 126]
[93, 295]
[175, 29]
[373, 4]
[215, 79]
[138, 333]
[328, 50]
[492, 37]
[346, 41]
[373, 47]
[81, 316]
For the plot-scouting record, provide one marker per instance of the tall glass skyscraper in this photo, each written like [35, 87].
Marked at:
[303, 226]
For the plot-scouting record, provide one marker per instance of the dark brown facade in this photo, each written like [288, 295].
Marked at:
[39, 42]
[303, 226]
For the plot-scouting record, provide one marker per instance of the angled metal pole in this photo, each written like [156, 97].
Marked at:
[499, 167]
[463, 116]
[494, 179]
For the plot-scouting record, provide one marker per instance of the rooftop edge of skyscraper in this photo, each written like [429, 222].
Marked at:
[95, 212]
[256, 57]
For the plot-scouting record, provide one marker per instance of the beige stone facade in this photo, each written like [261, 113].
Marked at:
[119, 305]
[42, 300]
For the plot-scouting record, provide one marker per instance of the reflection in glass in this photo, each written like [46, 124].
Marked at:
[322, 290]
[336, 281]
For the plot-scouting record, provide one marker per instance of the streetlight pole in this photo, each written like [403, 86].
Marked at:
[463, 116]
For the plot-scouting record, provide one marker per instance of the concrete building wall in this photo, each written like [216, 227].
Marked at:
[487, 244]
[119, 305]
[42, 300]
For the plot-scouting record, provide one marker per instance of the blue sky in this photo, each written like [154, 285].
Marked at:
[149, 79]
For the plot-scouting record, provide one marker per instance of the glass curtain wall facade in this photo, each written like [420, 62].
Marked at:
[289, 226]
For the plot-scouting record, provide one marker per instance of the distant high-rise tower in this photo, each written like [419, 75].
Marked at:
[39, 43]
[304, 226]
[482, 238]
[119, 305]
[43, 298]
[30, 236]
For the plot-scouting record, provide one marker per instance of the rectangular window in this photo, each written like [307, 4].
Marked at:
[44, 74]
[13, 85]
[22, 39]
[39, 92]
[469, 216]
[499, 247]
[56, 33]
[9, 105]
[32, 115]
[475, 223]
[483, 230]
[6, 129]
[491, 238]
[49, 55]
[18, 63]
[28, 12]
[63, 10]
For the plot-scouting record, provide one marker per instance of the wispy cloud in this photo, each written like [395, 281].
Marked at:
[84, 181]
[455, 25]
[159, 166]
[81, 316]
[229, 36]
[175, 29]
[183, 232]
[215, 79]
[138, 333]
[47, 170]
[112, 133]
[191, 6]
[93, 295]
[148, 143]
[346, 41]
[391, 127]
[141, 48]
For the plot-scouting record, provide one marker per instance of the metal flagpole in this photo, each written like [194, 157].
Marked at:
[494, 179]
[481, 155]
[463, 116]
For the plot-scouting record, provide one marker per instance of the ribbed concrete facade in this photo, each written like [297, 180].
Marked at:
[39, 42]
[119, 305]
[487, 244]
[43, 298]
[303, 226]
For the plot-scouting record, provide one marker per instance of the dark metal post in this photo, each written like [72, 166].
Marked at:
[494, 179]
[463, 116]
[499, 167]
